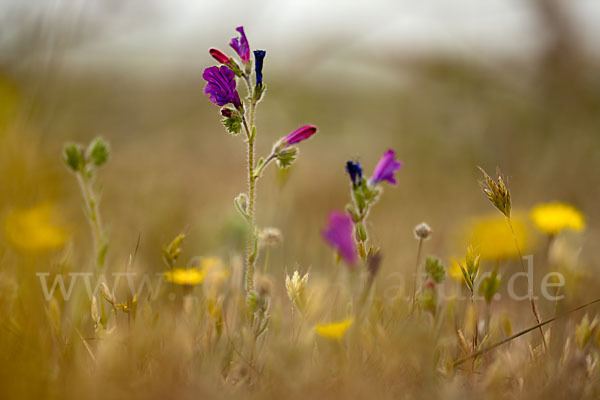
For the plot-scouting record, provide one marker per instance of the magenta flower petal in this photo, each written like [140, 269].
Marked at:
[240, 45]
[385, 169]
[339, 235]
[219, 56]
[221, 86]
[300, 134]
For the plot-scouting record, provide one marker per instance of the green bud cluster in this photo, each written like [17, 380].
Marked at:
[79, 160]
[232, 120]
[363, 197]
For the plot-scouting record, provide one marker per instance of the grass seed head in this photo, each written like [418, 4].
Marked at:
[497, 192]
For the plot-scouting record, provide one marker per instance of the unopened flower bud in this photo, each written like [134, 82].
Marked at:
[73, 156]
[351, 210]
[361, 232]
[98, 152]
[219, 56]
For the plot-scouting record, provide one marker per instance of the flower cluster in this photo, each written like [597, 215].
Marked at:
[346, 233]
[222, 88]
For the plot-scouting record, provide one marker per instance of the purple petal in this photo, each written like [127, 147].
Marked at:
[221, 86]
[240, 45]
[300, 134]
[385, 169]
[339, 235]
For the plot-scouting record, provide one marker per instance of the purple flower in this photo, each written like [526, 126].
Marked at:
[384, 171]
[300, 134]
[240, 45]
[339, 235]
[221, 86]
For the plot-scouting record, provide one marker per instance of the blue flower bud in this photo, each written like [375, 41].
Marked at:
[259, 56]
[355, 171]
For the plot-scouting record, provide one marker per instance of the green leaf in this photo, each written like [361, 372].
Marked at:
[435, 269]
[490, 285]
[233, 124]
[286, 157]
[466, 277]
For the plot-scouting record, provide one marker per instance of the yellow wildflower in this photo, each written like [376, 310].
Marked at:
[552, 218]
[334, 330]
[187, 277]
[34, 229]
[454, 271]
[493, 238]
[203, 266]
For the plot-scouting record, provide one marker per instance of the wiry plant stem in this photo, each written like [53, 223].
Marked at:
[523, 332]
[93, 216]
[415, 281]
[534, 309]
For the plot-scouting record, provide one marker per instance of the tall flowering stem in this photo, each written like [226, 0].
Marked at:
[365, 194]
[84, 163]
[252, 240]
[222, 89]
[498, 194]
[422, 232]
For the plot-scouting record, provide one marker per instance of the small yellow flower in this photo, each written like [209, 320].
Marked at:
[187, 277]
[334, 330]
[204, 267]
[34, 229]
[492, 237]
[552, 218]
[454, 271]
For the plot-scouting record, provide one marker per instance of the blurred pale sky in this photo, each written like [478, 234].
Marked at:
[162, 32]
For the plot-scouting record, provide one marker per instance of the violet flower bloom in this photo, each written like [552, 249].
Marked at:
[384, 171]
[355, 171]
[240, 45]
[300, 134]
[219, 56]
[259, 56]
[221, 86]
[339, 235]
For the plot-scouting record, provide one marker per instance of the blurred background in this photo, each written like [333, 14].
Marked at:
[448, 85]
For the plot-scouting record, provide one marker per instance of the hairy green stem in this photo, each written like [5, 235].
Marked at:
[252, 233]
[93, 216]
[250, 134]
